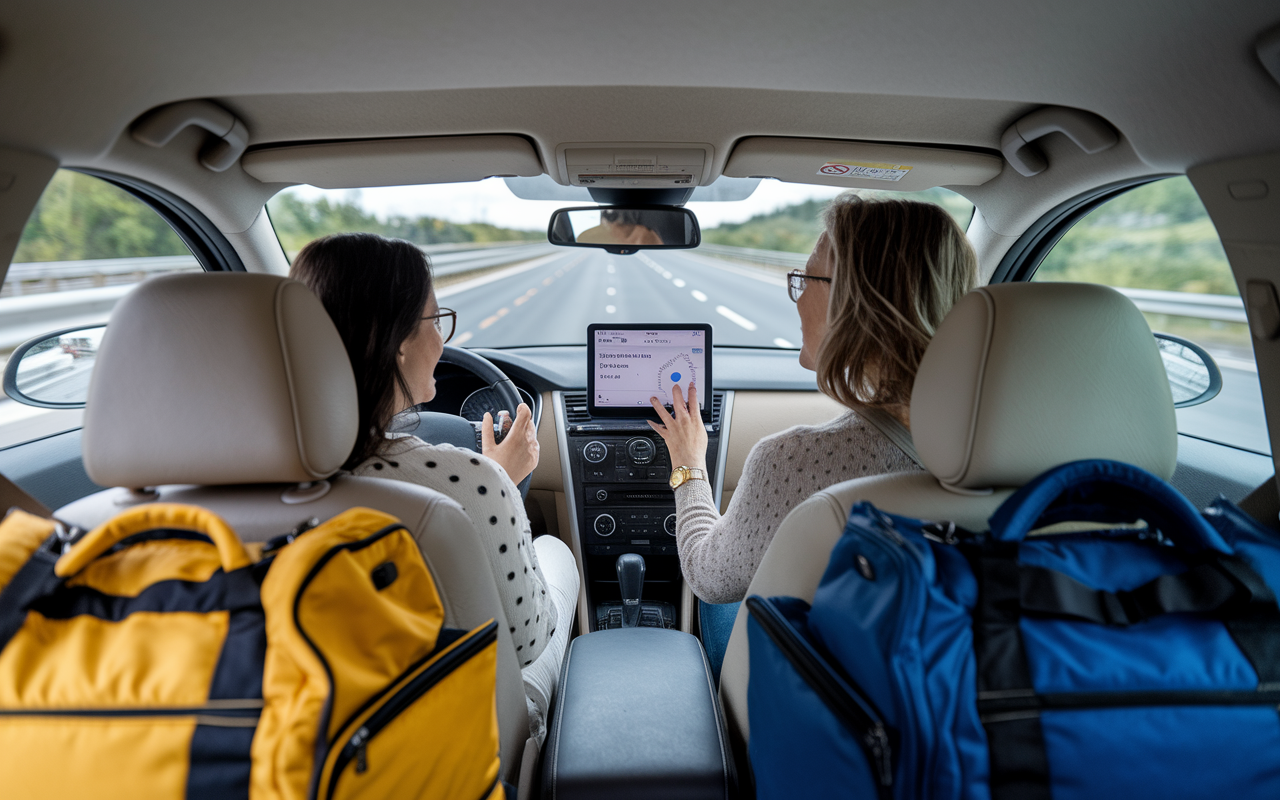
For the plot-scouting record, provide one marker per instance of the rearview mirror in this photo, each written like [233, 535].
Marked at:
[52, 370]
[622, 230]
[1193, 375]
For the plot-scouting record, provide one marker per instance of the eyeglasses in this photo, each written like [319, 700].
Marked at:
[796, 280]
[446, 319]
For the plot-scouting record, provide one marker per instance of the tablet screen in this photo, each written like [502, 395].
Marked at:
[632, 363]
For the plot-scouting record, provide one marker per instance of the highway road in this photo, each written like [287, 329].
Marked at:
[553, 299]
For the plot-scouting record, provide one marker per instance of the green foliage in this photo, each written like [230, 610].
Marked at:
[298, 221]
[1157, 236]
[82, 217]
[795, 228]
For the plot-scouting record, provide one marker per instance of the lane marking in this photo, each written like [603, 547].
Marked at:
[497, 315]
[679, 283]
[699, 296]
[610, 309]
[547, 281]
[463, 339]
[735, 317]
[611, 269]
[611, 291]
[783, 343]
[666, 274]
[524, 298]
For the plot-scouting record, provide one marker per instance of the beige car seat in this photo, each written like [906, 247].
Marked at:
[233, 391]
[1018, 379]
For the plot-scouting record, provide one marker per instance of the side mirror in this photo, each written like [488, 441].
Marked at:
[1194, 377]
[53, 369]
[622, 230]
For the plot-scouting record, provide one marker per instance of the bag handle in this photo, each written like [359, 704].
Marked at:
[150, 517]
[1097, 490]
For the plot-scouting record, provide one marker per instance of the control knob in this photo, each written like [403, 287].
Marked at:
[595, 452]
[601, 495]
[604, 525]
[669, 524]
[641, 450]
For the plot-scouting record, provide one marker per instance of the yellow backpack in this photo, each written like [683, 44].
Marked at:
[156, 658]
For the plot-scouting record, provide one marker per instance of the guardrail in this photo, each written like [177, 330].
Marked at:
[96, 285]
[1217, 307]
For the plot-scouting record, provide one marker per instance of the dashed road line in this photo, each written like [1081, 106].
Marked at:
[699, 296]
[783, 343]
[524, 298]
[735, 317]
[497, 315]
[458, 341]
[679, 283]
[547, 281]
[611, 291]
[610, 309]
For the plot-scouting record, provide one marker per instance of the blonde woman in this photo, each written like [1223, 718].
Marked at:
[882, 276]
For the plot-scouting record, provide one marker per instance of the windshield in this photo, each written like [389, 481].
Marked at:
[511, 288]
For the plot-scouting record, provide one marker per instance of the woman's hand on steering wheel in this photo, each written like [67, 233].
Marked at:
[518, 453]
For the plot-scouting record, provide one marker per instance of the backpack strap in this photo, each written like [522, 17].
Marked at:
[29, 537]
[1019, 761]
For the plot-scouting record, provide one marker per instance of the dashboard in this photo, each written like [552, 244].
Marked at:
[608, 476]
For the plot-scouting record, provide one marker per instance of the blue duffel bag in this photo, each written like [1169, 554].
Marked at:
[1141, 660]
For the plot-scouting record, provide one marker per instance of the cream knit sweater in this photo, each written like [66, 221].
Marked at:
[720, 554]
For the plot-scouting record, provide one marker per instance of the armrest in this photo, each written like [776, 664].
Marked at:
[637, 716]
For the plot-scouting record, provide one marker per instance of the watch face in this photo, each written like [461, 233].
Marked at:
[679, 476]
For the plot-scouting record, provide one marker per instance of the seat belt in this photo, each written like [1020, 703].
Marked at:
[892, 429]
[13, 496]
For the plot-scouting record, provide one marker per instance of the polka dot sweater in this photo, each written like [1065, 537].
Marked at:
[493, 503]
[720, 554]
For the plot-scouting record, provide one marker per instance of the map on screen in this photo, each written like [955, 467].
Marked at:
[629, 365]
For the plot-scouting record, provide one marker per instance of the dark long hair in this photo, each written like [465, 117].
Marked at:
[375, 290]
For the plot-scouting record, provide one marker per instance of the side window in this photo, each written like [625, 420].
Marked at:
[85, 246]
[1156, 244]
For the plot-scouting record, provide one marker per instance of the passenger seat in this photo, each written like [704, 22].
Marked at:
[1019, 378]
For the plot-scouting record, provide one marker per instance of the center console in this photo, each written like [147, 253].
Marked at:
[615, 478]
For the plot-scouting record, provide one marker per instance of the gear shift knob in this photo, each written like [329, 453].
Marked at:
[630, 568]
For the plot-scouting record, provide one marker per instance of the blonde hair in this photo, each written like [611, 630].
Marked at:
[898, 267]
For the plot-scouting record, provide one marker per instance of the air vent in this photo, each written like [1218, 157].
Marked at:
[575, 408]
[717, 405]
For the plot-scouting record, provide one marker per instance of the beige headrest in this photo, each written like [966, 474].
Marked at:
[1023, 377]
[219, 378]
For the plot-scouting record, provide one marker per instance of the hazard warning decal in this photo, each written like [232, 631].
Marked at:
[864, 170]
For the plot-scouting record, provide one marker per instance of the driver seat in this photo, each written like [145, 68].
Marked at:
[233, 391]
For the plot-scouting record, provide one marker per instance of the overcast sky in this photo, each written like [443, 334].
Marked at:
[491, 201]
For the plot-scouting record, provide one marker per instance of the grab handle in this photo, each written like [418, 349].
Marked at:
[1104, 491]
[151, 517]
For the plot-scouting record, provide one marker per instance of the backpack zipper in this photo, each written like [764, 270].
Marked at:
[854, 711]
[357, 746]
[230, 709]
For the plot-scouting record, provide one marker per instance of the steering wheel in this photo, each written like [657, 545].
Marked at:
[436, 428]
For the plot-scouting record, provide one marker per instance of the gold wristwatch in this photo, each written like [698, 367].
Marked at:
[680, 475]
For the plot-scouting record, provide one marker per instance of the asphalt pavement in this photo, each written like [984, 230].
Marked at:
[553, 301]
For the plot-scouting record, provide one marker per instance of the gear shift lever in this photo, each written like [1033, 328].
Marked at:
[630, 568]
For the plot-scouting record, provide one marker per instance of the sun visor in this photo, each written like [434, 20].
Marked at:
[394, 162]
[859, 165]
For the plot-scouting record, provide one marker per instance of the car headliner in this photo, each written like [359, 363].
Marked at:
[1180, 80]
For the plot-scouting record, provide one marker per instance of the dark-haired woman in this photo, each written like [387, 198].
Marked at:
[379, 294]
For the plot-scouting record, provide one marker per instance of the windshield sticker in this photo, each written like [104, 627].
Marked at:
[864, 169]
